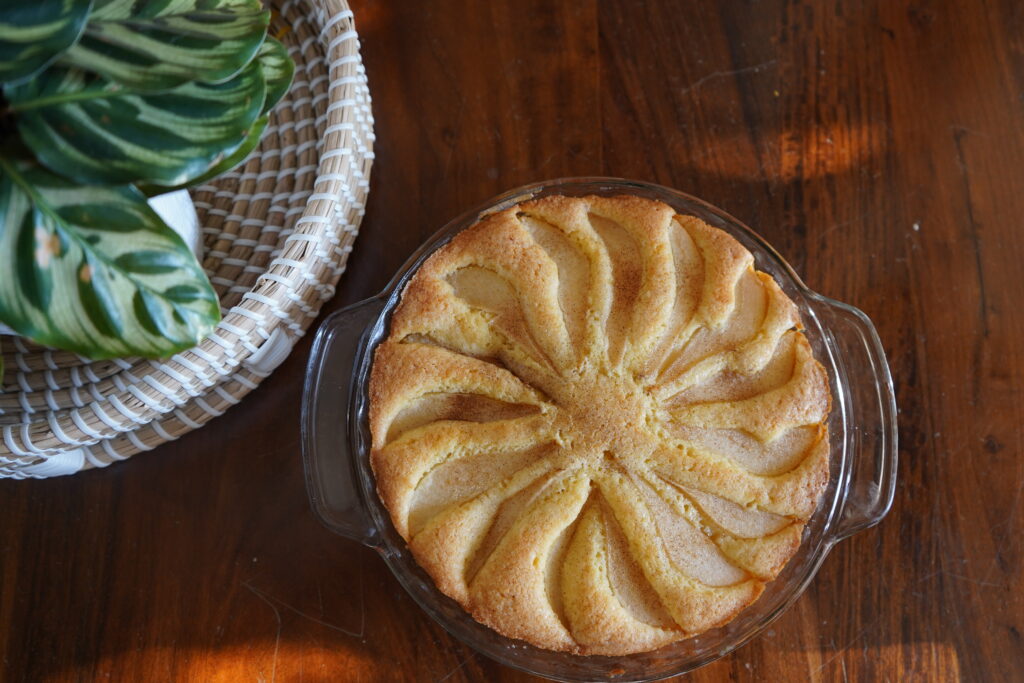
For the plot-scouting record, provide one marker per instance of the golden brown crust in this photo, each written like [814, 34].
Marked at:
[597, 426]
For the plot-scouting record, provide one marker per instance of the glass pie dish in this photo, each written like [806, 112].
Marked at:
[862, 434]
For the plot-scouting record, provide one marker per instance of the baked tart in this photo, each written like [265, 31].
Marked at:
[598, 428]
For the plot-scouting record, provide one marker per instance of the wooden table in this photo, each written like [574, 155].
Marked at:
[879, 145]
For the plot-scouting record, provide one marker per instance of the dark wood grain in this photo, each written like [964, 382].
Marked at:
[879, 145]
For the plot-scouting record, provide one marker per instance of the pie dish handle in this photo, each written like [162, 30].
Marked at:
[869, 413]
[327, 450]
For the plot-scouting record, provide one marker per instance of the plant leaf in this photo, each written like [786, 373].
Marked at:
[156, 45]
[95, 270]
[94, 131]
[278, 70]
[33, 33]
[236, 157]
[240, 153]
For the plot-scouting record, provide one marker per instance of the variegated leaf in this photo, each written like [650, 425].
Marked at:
[232, 159]
[278, 70]
[156, 45]
[95, 131]
[35, 32]
[94, 270]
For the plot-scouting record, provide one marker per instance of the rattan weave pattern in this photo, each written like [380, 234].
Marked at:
[277, 232]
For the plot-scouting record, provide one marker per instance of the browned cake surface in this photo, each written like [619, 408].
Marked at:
[597, 426]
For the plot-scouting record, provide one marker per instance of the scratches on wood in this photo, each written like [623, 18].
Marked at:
[732, 73]
[277, 602]
[277, 637]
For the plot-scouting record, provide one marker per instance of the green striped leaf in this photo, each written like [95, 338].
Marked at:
[33, 33]
[156, 45]
[94, 131]
[148, 9]
[278, 70]
[94, 269]
[231, 160]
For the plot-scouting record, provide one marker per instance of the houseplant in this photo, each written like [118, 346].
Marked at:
[105, 103]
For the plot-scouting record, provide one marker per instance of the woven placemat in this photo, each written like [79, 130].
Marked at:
[277, 232]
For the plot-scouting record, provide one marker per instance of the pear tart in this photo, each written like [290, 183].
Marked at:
[597, 426]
